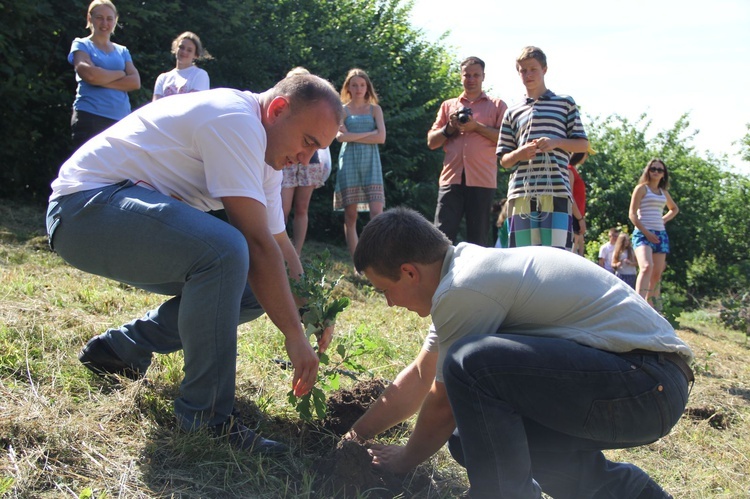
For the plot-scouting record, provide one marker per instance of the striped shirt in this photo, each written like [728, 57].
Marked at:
[553, 116]
[651, 209]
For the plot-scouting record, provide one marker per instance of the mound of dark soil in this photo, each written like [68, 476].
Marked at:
[716, 418]
[347, 469]
[346, 406]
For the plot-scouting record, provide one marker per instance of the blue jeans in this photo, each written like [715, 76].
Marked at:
[534, 414]
[151, 241]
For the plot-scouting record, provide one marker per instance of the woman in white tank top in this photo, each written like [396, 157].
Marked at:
[650, 238]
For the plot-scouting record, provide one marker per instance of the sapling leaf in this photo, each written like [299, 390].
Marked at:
[314, 287]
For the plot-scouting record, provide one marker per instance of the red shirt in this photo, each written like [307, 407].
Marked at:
[579, 190]
[471, 152]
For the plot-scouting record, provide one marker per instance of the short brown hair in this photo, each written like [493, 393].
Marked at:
[303, 90]
[397, 236]
[471, 60]
[532, 52]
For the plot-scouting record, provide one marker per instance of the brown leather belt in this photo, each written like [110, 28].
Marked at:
[674, 358]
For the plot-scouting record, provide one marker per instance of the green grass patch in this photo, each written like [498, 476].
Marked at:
[65, 432]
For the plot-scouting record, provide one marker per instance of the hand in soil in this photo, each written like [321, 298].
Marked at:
[390, 458]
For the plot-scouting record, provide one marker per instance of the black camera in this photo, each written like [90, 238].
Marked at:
[464, 114]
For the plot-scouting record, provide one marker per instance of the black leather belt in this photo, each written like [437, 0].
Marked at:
[672, 357]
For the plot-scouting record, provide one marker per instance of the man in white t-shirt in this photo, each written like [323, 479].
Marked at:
[538, 375]
[607, 249]
[131, 205]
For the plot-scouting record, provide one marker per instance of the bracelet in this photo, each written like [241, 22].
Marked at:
[579, 219]
[445, 131]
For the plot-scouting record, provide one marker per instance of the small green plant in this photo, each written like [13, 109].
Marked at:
[6, 483]
[344, 363]
[315, 288]
[704, 368]
[320, 312]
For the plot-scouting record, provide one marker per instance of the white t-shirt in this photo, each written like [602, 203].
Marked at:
[606, 252]
[196, 147]
[181, 81]
[527, 291]
[324, 156]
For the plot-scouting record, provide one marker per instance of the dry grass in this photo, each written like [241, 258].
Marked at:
[66, 433]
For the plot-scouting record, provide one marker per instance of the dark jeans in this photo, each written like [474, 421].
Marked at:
[456, 200]
[534, 414]
[85, 125]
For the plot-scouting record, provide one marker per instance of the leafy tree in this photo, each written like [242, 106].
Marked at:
[254, 44]
[745, 145]
[712, 200]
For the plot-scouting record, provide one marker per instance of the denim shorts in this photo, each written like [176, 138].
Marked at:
[639, 239]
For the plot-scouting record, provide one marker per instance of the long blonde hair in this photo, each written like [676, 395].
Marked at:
[370, 96]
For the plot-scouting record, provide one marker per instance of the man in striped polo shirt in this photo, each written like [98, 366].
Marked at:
[536, 139]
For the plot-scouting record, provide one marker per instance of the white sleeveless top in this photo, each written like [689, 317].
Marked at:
[651, 209]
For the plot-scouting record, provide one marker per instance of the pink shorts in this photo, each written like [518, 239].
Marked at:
[304, 176]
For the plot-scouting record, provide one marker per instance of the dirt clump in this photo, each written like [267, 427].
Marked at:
[352, 474]
[715, 417]
[345, 407]
[347, 469]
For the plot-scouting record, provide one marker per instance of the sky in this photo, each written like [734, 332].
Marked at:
[663, 58]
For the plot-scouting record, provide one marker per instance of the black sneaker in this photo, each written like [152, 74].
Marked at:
[99, 357]
[243, 438]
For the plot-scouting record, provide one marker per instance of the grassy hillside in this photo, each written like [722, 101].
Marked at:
[66, 433]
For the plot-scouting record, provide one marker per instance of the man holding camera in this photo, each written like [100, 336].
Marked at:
[467, 129]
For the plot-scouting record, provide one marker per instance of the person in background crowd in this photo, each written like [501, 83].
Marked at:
[650, 238]
[359, 180]
[624, 262]
[578, 188]
[536, 139]
[606, 250]
[466, 127]
[186, 76]
[299, 183]
[104, 72]
[500, 210]
[296, 191]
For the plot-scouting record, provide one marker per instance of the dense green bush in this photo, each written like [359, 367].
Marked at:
[255, 43]
[707, 238]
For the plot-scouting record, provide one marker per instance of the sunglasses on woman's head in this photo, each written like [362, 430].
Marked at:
[655, 169]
